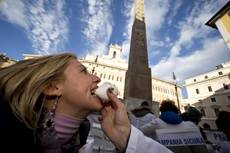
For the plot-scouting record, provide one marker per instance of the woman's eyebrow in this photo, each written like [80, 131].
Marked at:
[82, 66]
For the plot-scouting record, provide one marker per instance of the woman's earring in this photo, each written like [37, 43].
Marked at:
[55, 103]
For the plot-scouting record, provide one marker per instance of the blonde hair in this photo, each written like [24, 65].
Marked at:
[23, 83]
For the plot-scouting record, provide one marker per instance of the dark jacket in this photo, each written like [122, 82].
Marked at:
[16, 137]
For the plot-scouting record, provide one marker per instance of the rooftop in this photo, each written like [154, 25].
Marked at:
[218, 15]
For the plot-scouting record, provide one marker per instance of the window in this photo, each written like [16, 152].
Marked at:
[109, 77]
[209, 88]
[117, 78]
[194, 80]
[220, 73]
[114, 54]
[186, 108]
[216, 110]
[197, 91]
[101, 75]
[120, 79]
[228, 97]
[206, 77]
[225, 86]
[202, 111]
[92, 72]
[206, 126]
[213, 99]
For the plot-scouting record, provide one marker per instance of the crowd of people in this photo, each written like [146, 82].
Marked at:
[170, 118]
[45, 102]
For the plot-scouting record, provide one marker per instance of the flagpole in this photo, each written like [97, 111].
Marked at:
[95, 61]
[178, 103]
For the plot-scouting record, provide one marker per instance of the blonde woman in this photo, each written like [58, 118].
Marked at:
[44, 104]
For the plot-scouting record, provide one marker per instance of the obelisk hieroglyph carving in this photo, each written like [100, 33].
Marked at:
[138, 84]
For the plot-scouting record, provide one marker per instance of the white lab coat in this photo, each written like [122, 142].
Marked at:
[150, 128]
[140, 121]
[138, 143]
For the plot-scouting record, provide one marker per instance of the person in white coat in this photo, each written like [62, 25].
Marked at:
[141, 115]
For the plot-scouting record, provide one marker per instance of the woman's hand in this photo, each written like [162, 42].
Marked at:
[115, 122]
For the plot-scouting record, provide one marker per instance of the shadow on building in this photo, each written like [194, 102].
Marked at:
[210, 106]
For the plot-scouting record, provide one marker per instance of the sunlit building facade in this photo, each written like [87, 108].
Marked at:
[210, 93]
[6, 61]
[163, 90]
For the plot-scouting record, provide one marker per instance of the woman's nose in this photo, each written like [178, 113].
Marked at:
[96, 79]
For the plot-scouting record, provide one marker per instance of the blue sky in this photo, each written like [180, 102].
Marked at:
[178, 39]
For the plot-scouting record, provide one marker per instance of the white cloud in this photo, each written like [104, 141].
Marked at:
[176, 6]
[167, 39]
[98, 22]
[154, 53]
[14, 12]
[192, 29]
[129, 14]
[44, 22]
[157, 43]
[213, 52]
[194, 25]
[155, 12]
[49, 26]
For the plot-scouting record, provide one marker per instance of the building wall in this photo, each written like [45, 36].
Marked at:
[210, 92]
[223, 25]
[226, 21]
[29, 56]
[162, 90]
[5, 61]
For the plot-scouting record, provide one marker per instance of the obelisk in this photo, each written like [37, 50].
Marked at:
[138, 83]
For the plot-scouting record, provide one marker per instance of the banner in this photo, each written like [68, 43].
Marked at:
[179, 137]
[215, 136]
